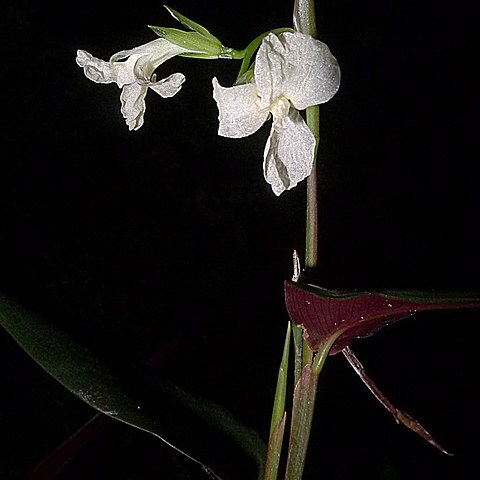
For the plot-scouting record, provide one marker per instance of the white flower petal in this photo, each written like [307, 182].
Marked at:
[301, 19]
[100, 71]
[239, 115]
[269, 70]
[312, 74]
[289, 152]
[169, 86]
[133, 104]
[159, 51]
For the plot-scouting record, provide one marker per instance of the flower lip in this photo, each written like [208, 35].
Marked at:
[239, 114]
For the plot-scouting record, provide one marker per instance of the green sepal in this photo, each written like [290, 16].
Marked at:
[246, 77]
[193, 42]
[190, 24]
[199, 41]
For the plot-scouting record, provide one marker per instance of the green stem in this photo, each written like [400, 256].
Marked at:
[311, 235]
[306, 387]
[311, 244]
[233, 54]
[312, 19]
[313, 122]
[302, 414]
[275, 450]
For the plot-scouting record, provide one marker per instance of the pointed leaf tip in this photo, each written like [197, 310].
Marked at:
[398, 415]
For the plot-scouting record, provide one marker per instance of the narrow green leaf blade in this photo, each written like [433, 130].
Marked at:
[281, 390]
[277, 425]
[297, 331]
[77, 369]
[161, 409]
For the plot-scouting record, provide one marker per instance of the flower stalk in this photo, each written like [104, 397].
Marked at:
[311, 241]
[308, 363]
[306, 386]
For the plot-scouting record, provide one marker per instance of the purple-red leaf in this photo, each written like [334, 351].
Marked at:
[398, 415]
[322, 312]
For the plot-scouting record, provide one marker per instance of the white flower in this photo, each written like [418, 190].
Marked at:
[292, 71]
[135, 75]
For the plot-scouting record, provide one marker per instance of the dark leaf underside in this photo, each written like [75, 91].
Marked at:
[322, 312]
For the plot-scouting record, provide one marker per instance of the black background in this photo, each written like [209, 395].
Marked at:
[169, 236]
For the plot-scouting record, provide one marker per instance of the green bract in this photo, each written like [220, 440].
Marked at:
[190, 24]
[199, 41]
[202, 47]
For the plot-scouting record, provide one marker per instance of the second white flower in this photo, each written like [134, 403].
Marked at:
[292, 71]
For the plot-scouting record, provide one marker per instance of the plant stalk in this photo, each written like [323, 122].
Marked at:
[306, 386]
[311, 243]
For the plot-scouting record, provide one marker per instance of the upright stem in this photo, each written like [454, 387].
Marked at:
[311, 235]
[302, 413]
[306, 386]
[313, 121]
[311, 244]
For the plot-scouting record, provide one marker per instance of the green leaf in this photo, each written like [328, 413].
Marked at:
[281, 390]
[277, 426]
[297, 333]
[189, 422]
[274, 450]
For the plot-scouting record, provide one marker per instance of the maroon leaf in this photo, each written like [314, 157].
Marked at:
[398, 415]
[322, 312]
